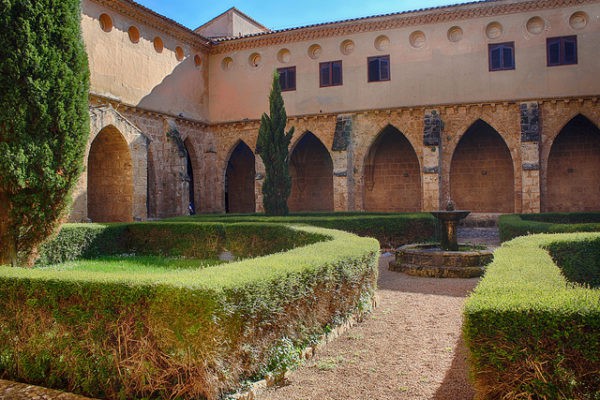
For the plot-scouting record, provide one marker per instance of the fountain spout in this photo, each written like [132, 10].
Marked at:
[450, 218]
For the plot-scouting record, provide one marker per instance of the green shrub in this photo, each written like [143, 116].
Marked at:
[513, 225]
[530, 333]
[183, 333]
[390, 229]
[44, 119]
[188, 240]
[579, 261]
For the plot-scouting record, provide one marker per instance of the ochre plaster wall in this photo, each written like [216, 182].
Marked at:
[136, 74]
[445, 77]
[438, 72]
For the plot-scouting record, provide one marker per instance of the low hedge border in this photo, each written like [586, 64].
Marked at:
[531, 334]
[514, 225]
[187, 240]
[390, 229]
[579, 261]
[184, 334]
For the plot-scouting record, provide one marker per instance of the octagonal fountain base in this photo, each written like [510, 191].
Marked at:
[429, 260]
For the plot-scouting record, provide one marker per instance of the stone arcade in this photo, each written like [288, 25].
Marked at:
[494, 104]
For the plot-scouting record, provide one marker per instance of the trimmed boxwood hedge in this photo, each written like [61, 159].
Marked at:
[179, 334]
[390, 229]
[188, 240]
[579, 261]
[531, 334]
[513, 225]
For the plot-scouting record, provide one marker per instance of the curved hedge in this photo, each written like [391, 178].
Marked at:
[390, 229]
[188, 240]
[514, 225]
[532, 334]
[184, 333]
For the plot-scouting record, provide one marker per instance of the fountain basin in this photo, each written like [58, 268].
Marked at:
[430, 260]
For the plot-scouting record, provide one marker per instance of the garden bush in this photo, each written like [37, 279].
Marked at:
[189, 240]
[578, 260]
[513, 225]
[532, 334]
[390, 229]
[179, 334]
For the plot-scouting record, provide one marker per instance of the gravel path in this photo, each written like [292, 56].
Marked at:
[409, 348]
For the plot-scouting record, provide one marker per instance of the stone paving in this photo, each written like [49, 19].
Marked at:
[21, 391]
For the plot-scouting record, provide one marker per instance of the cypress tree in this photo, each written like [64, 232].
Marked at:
[44, 120]
[272, 146]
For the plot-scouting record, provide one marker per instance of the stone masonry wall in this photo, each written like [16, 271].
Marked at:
[520, 143]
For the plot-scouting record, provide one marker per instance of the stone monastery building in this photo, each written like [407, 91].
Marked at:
[492, 103]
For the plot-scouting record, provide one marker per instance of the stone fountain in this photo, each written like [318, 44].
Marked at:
[447, 259]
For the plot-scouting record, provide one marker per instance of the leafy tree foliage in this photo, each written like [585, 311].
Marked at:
[44, 120]
[272, 146]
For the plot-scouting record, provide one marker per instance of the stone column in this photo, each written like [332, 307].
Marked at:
[259, 168]
[342, 157]
[431, 178]
[530, 156]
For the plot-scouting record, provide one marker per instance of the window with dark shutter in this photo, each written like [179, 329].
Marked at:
[330, 73]
[378, 68]
[561, 50]
[287, 78]
[501, 56]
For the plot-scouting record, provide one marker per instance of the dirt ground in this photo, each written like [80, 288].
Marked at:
[409, 348]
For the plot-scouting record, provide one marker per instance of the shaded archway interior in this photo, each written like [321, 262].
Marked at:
[190, 166]
[311, 169]
[573, 180]
[481, 172]
[110, 178]
[239, 180]
[392, 174]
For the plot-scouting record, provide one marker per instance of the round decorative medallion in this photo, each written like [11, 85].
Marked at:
[455, 34]
[578, 20]
[382, 42]
[227, 63]
[347, 47]
[284, 56]
[254, 60]
[314, 51]
[493, 30]
[417, 39]
[536, 25]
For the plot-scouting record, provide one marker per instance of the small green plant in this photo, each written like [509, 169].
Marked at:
[284, 356]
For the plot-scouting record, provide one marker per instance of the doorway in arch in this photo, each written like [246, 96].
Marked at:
[392, 174]
[239, 180]
[573, 177]
[110, 178]
[481, 172]
[311, 169]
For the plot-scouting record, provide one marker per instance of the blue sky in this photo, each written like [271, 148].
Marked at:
[277, 14]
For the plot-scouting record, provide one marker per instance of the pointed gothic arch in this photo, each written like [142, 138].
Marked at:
[311, 169]
[392, 174]
[573, 179]
[482, 171]
[110, 178]
[239, 180]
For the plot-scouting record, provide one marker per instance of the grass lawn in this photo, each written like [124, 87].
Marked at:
[135, 264]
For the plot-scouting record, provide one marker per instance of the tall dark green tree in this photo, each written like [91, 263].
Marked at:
[44, 120]
[273, 147]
